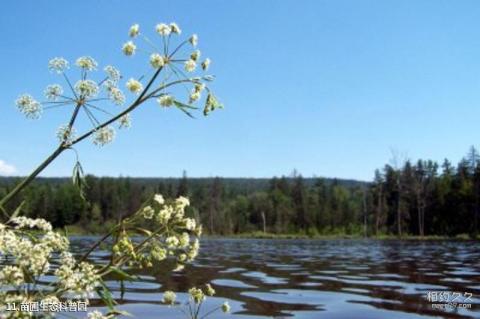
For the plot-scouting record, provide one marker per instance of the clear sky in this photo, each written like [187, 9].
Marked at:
[324, 87]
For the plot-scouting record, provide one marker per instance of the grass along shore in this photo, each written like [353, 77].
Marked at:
[77, 230]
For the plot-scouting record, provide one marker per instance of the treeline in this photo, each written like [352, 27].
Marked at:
[224, 205]
[421, 198]
[424, 198]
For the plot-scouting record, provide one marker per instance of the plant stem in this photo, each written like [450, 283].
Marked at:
[42, 166]
[29, 178]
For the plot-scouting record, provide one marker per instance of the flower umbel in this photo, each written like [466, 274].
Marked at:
[31, 108]
[134, 86]
[169, 297]
[104, 136]
[87, 63]
[58, 65]
[134, 30]
[129, 48]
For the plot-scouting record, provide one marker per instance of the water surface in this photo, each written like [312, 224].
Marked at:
[314, 279]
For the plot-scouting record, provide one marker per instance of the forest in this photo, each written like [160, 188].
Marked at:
[422, 198]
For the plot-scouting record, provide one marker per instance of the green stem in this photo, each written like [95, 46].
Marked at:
[41, 167]
[85, 256]
[29, 178]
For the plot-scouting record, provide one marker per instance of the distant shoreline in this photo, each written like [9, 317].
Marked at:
[77, 231]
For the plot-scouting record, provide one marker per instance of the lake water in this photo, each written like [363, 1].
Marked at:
[316, 279]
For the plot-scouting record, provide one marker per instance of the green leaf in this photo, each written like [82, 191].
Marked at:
[121, 275]
[18, 210]
[78, 179]
[4, 212]
[106, 296]
[183, 105]
[186, 112]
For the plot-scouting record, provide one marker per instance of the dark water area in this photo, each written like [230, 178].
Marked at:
[309, 279]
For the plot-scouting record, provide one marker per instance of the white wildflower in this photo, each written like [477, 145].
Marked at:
[182, 202]
[134, 30]
[86, 88]
[195, 55]
[194, 96]
[190, 65]
[55, 241]
[134, 86]
[183, 240]
[163, 29]
[29, 106]
[25, 222]
[112, 73]
[125, 121]
[87, 63]
[103, 136]
[193, 40]
[172, 242]
[80, 279]
[148, 212]
[196, 294]
[52, 92]
[198, 231]
[193, 249]
[199, 87]
[116, 95]
[66, 134]
[165, 100]
[159, 253]
[169, 297]
[206, 64]
[11, 275]
[129, 48]
[164, 215]
[156, 60]
[174, 28]
[190, 223]
[209, 291]
[225, 307]
[58, 65]
[96, 315]
[178, 268]
[159, 199]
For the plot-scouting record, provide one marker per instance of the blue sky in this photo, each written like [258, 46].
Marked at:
[324, 87]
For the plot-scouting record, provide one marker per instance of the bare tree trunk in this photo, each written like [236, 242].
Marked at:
[211, 222]
[264, 220]
[422, 226]
[364, 213]
[419, 213]
[378, 210]
[399, 212]
[399, 225]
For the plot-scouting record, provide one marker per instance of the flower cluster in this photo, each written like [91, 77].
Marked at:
[103, 136]
[171, 235]
[30, 255]
[196, 298]
[29, 106]
[89, 94]
[167, 59]
[85, 94]
[78, 280]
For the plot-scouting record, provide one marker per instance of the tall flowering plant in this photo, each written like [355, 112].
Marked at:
[30, 249]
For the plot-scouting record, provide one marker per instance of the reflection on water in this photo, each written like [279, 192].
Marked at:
[315, 278]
